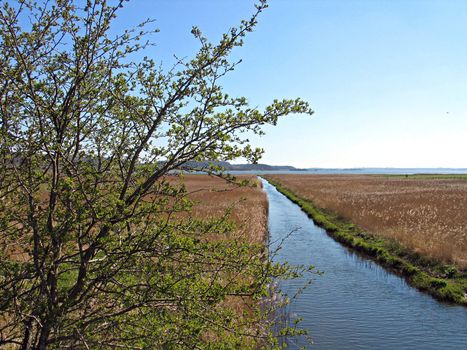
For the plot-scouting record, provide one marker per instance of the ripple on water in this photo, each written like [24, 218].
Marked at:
[356, 304]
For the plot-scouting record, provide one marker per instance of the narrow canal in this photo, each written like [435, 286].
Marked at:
[356, 304]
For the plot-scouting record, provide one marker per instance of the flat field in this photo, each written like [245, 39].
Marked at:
[249, 210]
[248, 205]
[212, 197]
[427, 214]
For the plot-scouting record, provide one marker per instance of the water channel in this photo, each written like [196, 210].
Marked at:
[355, 304]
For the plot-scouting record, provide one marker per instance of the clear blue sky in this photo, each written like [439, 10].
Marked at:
[387, 79]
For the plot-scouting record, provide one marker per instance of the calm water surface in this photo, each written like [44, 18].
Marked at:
[357, 171]
[356, 304]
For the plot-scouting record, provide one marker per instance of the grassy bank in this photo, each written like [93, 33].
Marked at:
[444, 282]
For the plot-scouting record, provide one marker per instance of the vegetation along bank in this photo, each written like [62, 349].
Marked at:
[388, 219]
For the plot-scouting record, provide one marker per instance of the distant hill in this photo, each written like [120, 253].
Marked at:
[241, 167]
[262, 167]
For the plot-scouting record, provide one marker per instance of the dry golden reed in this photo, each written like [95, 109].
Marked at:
[213, 196]
[249, 210]
[427, 215]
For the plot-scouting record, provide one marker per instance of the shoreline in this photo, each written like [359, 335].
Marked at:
[418, 271]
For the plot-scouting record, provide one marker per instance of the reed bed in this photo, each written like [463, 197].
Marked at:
[425, 214]
[212, 198]
[248, 205]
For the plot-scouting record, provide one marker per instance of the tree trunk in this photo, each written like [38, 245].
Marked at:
[44, 336]
[27, 334]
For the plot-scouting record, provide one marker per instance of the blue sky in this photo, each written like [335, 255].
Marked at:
[387, 79]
